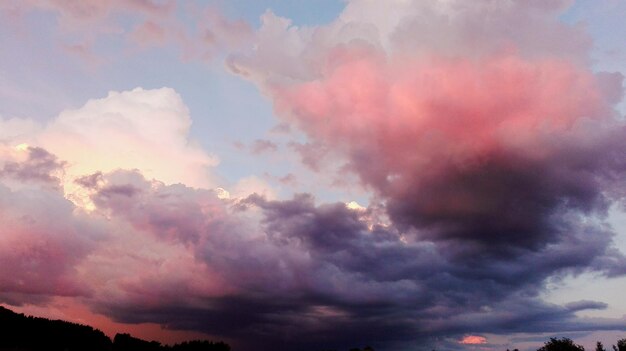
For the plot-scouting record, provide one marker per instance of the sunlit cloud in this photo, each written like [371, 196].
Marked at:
[473, 340]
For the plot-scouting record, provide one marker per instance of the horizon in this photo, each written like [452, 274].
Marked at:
[79, 336]
[435, 174]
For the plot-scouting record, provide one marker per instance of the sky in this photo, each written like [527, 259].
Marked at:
[308, 175]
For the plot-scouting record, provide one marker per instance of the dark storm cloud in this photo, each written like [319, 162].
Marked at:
[467, 248]
[298, 275]
[507, 203]
[315, 276]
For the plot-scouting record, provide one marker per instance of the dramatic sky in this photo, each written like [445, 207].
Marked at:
[300, 175]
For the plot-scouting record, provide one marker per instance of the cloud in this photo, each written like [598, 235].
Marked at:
[491, 149]
[142, 24]
[42, 238]
[15, 128]
[217, 34]
[39, 166]
[139, 129]
[260, 146]
[86, 13]
[586, 305]
[413, 29]
[298, 274]
[473, 340]
[482, 136]
[481, 144]
[149, 33]
[276, 272]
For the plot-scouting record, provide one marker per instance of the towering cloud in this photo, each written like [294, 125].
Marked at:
[139, 129]
[499, 141]
[480, 127]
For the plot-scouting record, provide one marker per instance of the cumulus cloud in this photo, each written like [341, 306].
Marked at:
[138, 129]
[16, 128]
[275, 272]
[481, 128]
[297, 274]
[42, 238]
[39, 166]
[479, 141]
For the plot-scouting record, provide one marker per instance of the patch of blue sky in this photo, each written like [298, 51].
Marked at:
[603, 20]
[301, 12]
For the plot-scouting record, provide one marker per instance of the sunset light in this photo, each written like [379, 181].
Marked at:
[321, 175]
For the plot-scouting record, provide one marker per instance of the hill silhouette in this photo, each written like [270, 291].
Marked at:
[26, 333]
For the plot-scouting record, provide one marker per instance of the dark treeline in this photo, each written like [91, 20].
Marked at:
[554, 344]
[567, 344]
[25, 333]
[125, 342]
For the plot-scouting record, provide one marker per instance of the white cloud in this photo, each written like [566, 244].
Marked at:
[139, 129]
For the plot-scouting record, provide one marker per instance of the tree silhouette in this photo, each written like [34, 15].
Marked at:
[25, 333]
[20, 332]
[125, 342]
[621, 345]
[564, 344]
[199, 345]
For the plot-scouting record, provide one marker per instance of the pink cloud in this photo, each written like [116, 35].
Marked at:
[407, 114]
[41, 242]
[480, 128]
[473, 340]
[421, 120]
